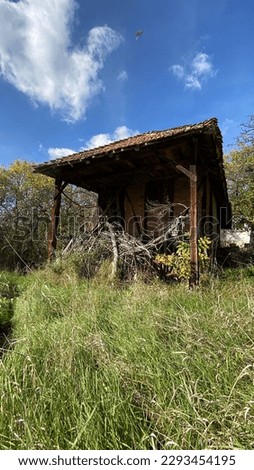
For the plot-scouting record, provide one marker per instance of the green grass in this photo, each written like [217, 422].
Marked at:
[140, 366]
[8, 292]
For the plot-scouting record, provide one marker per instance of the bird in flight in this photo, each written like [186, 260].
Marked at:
[139, 33]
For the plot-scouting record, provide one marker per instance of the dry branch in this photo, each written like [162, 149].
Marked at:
[109, 241]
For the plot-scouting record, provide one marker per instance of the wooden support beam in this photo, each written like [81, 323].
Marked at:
[192, 175]
[194, 277]
[52, 240]
[187, 173]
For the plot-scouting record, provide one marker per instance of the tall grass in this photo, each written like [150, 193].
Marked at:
[8, 292]
[140, 366]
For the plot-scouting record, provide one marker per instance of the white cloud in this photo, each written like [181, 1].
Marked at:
[59, 152]
[196, 72]
[121, 132]
[193, 82]
[122, 76]
[178, 70]
[98, 140]
[37, 57]
[202, 65]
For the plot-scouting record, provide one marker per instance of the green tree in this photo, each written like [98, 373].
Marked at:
[239, 167]
[26, 199]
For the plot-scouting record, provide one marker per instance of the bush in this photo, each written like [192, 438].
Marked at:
[179, 262]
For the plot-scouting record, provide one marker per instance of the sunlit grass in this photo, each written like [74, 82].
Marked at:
[140, 366]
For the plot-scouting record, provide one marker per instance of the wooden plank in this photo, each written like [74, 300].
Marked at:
[193, 228]
[134, 209]
[187, 172]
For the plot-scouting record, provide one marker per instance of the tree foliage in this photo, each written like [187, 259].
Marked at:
[25, 212]
[239, 167]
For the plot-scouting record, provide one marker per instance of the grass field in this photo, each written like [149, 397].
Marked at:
[131, 366]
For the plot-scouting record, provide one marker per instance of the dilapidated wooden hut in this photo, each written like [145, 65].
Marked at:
[182, 166]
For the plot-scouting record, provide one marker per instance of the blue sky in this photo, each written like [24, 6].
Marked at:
[74, 76]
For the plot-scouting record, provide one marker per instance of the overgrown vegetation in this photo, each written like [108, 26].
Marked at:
[179, 262]
[135, 366]
[8, 293]
[87, 362]
[25, 214]
[239, 167]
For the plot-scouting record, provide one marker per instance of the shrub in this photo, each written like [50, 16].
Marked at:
[179, 262]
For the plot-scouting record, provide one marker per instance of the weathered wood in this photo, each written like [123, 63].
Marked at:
[133, 219]
[215, 215]
[193, 228]
[208, 197]
[52, 240]
[187, 173]
[115, 251]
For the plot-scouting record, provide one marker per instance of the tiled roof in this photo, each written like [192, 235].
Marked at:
[211, 125]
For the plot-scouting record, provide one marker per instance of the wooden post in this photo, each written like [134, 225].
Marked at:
[193, 227]
[52, 240]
